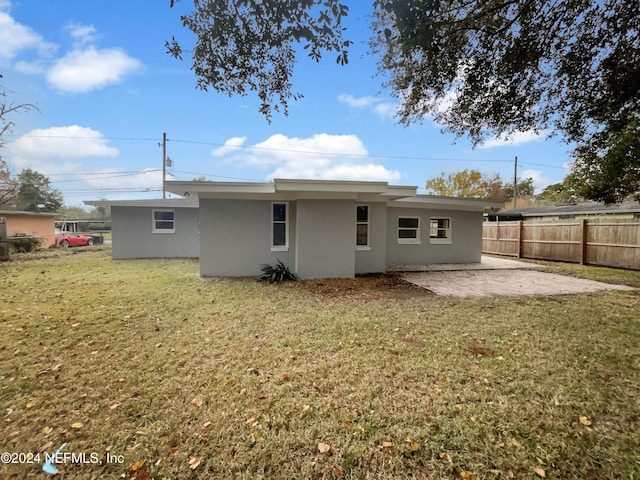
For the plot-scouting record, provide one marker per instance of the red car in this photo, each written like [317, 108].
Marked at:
[67, 239]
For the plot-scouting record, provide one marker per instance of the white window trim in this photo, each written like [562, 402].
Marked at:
[441, 241]
[408, 241]
[367, 247]
[285, 247]
[162, 230]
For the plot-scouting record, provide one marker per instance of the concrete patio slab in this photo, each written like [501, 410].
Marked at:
[486, 263]
[508, 282]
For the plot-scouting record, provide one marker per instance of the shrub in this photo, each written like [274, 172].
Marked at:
[277, 274]
[22, 243]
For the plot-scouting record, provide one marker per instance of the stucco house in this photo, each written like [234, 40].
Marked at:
[41, 225]
[317, 228]
[153, 228]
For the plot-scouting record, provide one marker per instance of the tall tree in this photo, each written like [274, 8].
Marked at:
[8, 186]
[467, 183]
[481, 68]
[35, 193]
[8, 183]
[524, 188]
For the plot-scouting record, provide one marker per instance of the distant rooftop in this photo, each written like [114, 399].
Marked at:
[589, 208]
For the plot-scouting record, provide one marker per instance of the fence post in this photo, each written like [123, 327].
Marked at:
[4, 243]
[583, 241]
[520, 227]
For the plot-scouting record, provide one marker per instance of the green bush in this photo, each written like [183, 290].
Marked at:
[277, 274]
[22, 243]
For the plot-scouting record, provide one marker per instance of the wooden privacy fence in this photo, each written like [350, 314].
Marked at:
[611, 243]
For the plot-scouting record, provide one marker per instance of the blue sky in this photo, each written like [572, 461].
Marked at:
[106, 91]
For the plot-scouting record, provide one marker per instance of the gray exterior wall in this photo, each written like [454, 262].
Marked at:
[236, 237]
[133, 237]
[466, 237]
[326, 238]
[374, 259]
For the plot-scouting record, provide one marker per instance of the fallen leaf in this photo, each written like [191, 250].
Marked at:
[56, 367]
[540, 472]
[415, 447]
[206, 424]
[585, 421]
[255, 435]
[30, 404]
[197, 402]
[337, 469]
[115, 405]
[77, 425]
[194, 462]
[324, 447]
[447, 457]
[46, 446]
[459, 407]
[465, 475]
[516, 444]
[137, 465]
[252, 422]
[387, 445]
[46, 430]
[142, 475]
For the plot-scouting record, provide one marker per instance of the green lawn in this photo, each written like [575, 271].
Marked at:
[182, 377]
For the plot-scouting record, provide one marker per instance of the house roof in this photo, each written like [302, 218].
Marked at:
[154, 203]
[22, 212]
[284, 189]
[586, 208]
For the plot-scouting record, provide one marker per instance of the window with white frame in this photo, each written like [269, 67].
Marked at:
[163, 221]
[408, 230]
[362, 227]
[279, 226]
[440, 230]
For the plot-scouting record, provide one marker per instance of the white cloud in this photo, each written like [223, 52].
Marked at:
[322, 157]
[362, 102]
[60, 143]
[29, 67]
[84, 70]
[231, 145]
[372, 104]
[540, 181]
[15, 37]
[517, 138]
[108, 178]
[83, 34]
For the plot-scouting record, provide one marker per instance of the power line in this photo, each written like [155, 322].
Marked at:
[274, 149]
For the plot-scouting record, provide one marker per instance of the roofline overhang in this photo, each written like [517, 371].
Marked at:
[446, 203]
[157, 203]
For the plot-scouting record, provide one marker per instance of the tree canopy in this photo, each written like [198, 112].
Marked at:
[479, 68]
[35, 194]
[467, 183]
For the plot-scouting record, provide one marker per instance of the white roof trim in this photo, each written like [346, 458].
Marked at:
[153, 203]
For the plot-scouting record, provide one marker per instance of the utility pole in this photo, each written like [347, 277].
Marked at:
[164, 163]
[515, 181]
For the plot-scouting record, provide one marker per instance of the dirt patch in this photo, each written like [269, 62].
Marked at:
[367, 286]
[505, 282]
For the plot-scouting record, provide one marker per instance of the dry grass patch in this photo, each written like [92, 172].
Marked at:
[215, 378]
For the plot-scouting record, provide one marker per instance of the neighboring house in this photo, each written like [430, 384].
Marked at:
[39, 225]
[629, 209]
[153, 228]
[327, 228]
